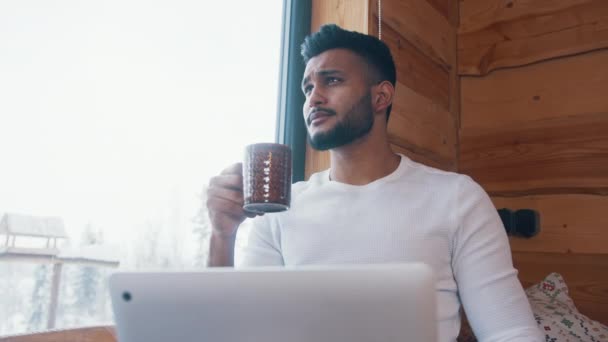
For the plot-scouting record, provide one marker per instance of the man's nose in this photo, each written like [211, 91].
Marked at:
[317, 97]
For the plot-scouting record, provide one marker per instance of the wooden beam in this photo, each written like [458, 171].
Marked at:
[88, 334]
[418, 121]
[553, 89]
[415, 70]
[544, 156]
[454, 13]
[476, 15]
[442, 6]
[426, 108]
[533, 39]
[412, 20]
[351, 14]
[455, 96]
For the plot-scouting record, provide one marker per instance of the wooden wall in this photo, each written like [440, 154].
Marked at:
[424, 119]
[515, 94]
[534, 130]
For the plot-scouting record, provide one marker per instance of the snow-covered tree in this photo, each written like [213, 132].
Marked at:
[40, 298]
[15, 292]
[201, 231]
[88, 279]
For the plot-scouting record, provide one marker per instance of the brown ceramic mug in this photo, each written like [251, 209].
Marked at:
[267, 178]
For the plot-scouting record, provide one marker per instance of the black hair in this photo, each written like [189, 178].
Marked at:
[374, 51]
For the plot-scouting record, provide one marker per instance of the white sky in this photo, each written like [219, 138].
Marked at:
[115, 110]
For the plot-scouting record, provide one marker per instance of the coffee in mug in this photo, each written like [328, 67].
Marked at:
[267, 178]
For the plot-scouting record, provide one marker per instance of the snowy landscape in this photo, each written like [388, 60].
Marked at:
[115, 114]
[84, 300]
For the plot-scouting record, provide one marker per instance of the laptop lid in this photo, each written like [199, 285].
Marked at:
[386, 303]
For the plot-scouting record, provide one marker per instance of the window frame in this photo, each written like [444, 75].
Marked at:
[291, 129]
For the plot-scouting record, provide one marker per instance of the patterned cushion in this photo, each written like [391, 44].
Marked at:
[557, 316]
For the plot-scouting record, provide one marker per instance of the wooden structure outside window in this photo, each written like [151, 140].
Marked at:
[34, 239]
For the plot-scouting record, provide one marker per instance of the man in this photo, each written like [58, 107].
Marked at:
[374, 206]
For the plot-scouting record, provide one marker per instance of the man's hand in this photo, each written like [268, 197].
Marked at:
[225, 204]
[225, 201]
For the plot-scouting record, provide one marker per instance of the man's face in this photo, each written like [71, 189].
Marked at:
[338, 106]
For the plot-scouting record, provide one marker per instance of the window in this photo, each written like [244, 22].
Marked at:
[114, 115]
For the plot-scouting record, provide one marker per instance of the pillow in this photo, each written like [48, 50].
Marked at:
[557, 316]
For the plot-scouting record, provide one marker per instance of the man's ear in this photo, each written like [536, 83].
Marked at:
[383, 96]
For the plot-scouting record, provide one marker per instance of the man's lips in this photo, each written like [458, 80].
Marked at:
[318, 116]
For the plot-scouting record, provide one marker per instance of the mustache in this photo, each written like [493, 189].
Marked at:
[329, 111]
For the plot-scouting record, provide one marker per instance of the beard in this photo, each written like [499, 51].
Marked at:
[356, 123]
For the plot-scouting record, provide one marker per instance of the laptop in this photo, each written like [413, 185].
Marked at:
[388, 303]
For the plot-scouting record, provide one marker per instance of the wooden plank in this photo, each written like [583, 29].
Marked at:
[424, 127]
[454, 14]
[89, 334]
[414, 69]
[553, 89]
[411, 19]
[455, 96]
[532, 39]
[455, 106]
[563, 155]
[479, 14]
[442, 6]
[569, 223]
[421, 126]
[585, 274]
[348, 14]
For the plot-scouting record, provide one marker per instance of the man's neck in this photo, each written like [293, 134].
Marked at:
[363, 161]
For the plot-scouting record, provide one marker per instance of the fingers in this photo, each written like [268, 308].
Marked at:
[222, 207]
[252, 214]
[232, 196]
[227, 181]
[231, 178]
[225, 198]
[236, 168]
[226, 193]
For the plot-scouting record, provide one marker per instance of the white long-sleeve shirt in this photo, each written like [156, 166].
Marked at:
[415, 214]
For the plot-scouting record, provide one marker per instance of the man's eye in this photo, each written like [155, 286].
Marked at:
[332, 80]
[307, 89]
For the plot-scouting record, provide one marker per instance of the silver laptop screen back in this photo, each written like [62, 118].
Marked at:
[386, 303]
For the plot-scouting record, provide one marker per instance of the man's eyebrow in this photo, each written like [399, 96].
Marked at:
[305, 80]
[321, 73]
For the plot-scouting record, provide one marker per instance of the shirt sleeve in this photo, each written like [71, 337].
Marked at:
[263, 246]
[492, 296]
